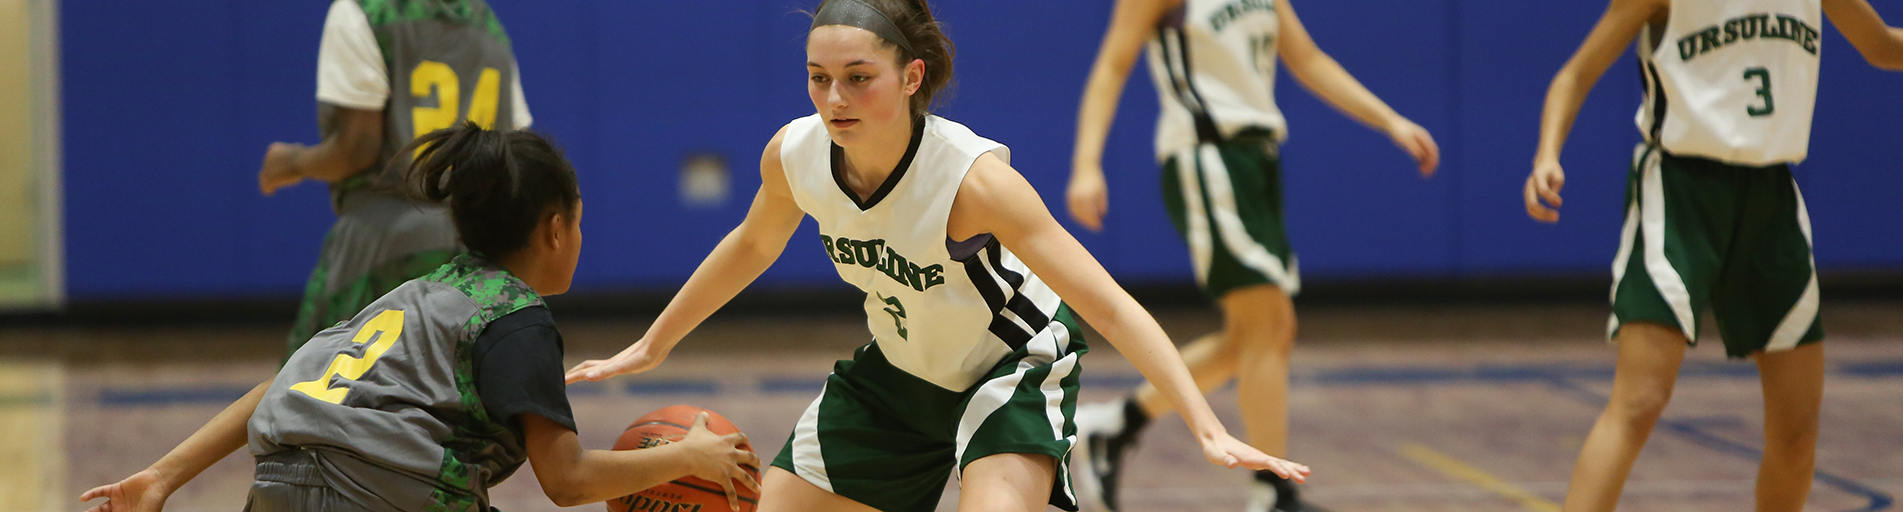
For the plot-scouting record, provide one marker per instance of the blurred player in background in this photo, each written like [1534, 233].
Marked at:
[387, 72]
[1218, 139]
[1713, 217]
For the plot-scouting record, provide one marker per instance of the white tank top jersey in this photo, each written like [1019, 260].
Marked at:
[943, 311]
[1213, 62]
[1732, 80]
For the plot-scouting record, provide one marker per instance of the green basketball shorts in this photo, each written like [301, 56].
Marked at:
[1701, 233]
[1226, 201]
[889, 440]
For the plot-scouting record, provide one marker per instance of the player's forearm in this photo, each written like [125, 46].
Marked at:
[338, 157]
[1563, 99]
[1098, 110]
[601, 475]
[1137, 336]
[1880, 44]
[1324, 77]
[735, 263]
[221, 436]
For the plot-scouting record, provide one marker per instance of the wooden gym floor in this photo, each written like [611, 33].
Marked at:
[1470, 408]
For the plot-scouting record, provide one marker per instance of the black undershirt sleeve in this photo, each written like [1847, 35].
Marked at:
[519, 369]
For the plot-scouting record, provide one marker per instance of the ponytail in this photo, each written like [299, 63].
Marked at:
[498, 185]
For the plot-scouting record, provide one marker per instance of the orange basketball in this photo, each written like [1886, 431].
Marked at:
[687, 494]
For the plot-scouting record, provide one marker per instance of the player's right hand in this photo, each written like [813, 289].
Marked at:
[278, 171]
[1544, 183]
[141, 492]
[1088, 197]
[639, 357]
[718, 458]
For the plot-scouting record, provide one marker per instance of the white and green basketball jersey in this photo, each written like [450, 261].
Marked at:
[1732, 80]
[1213, 62]
[943, 311]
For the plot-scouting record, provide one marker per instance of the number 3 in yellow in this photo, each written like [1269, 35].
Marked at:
[385, 329]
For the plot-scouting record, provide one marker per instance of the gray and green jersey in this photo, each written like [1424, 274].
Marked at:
[447, 61]
[388, 400]
[1213, 62]
[1732, 80]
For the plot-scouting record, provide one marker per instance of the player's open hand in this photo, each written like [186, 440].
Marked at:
[278, 171]
[639, 357]
[142, 492]
[723, 459]
[1544, 183]
[1417, 143]
[1227, 451]
[1088, 197]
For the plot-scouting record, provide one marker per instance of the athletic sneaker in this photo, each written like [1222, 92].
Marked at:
[1271, 493]
[1108, 429]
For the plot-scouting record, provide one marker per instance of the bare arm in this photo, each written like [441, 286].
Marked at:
[147, 490]
[1321, 75]
[1130, 25]
[571, 476]
[353, 138]
[1615, 30]
[995, 199]
[740, 258]
[1880, 44]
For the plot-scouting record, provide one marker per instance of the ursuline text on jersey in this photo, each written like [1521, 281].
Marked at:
[1745, 28]
[874, 254]
[1236, 9]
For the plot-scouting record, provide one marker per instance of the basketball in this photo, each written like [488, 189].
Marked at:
[687, 494]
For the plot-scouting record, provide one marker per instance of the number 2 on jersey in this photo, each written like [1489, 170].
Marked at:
[1763, 77]
[898, 315]
[437, 79]
[385, 329]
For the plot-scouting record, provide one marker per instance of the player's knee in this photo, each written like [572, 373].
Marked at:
[1792, 447]
[1640, 408]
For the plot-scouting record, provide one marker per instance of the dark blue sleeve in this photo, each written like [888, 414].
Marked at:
[519, 369]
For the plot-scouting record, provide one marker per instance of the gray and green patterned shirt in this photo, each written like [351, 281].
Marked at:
[388, 400]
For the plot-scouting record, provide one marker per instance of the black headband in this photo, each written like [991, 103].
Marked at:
[854, 13]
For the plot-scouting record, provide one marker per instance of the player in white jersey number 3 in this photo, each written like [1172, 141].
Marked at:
[973, 365]
[1712, 216]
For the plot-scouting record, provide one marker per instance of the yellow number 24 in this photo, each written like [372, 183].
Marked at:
[432, 78]
[384, 328]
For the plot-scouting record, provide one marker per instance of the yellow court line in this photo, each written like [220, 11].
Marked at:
[1443, 463]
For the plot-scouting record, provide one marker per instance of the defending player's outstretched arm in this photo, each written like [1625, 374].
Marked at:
[741, 257]
[147, 490]
[995, 199]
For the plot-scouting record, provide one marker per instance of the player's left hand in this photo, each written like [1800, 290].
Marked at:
[1417, 143]
[142, 492]
[1227, 451]
[278, 171]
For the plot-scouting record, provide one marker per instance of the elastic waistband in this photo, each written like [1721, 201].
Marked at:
[1253, 135]
[296, 466]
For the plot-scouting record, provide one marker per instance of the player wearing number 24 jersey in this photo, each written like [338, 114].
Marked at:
[1713, 217]
[387, 72]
